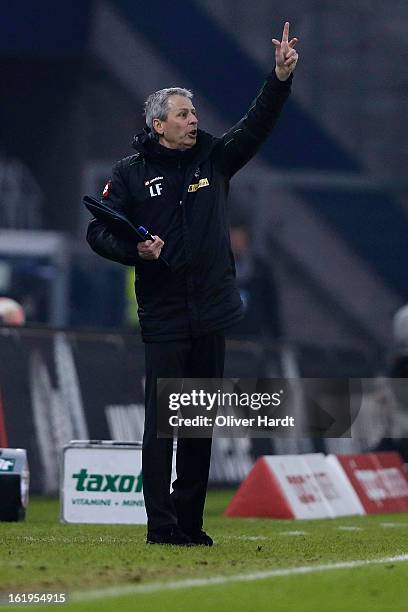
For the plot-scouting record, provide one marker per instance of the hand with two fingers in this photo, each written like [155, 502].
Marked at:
[286, 56]
[150, 249]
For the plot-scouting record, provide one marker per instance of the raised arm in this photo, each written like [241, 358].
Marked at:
[242, 141]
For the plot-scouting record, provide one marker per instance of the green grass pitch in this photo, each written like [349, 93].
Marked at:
[41, 555]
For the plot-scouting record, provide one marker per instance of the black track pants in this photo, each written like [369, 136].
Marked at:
[196, 358]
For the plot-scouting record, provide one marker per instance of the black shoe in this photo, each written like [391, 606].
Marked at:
[168, 534]
[200, 538]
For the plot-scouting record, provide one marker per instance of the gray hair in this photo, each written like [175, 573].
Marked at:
[157, 104]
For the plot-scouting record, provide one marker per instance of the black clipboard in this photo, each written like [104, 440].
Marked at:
[118, 223]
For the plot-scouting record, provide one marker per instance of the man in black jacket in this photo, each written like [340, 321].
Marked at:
[176, 186]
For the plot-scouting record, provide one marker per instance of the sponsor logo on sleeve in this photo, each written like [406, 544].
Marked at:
[107, 189]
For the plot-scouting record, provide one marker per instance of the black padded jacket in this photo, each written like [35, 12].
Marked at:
[181, 196]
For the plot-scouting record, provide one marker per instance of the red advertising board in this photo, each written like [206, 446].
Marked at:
[379, 479]
[295, 487]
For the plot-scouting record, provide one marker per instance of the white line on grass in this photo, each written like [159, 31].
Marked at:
[244, 537]
[393, 525]
[293, 533]
[214, 580]
[349, 528]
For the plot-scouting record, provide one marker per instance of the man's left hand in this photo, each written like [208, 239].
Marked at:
[285, 55]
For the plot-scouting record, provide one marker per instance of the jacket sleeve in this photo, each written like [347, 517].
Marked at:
[99, 235]
[237, 146]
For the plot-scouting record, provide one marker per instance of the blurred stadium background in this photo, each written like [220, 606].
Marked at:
[327, 199]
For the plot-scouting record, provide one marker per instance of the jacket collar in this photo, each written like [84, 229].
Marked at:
[148, 146]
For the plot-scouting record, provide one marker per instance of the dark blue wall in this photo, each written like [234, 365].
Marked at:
[44, 27]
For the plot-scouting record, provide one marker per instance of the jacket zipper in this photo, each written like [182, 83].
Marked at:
[187, 247]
